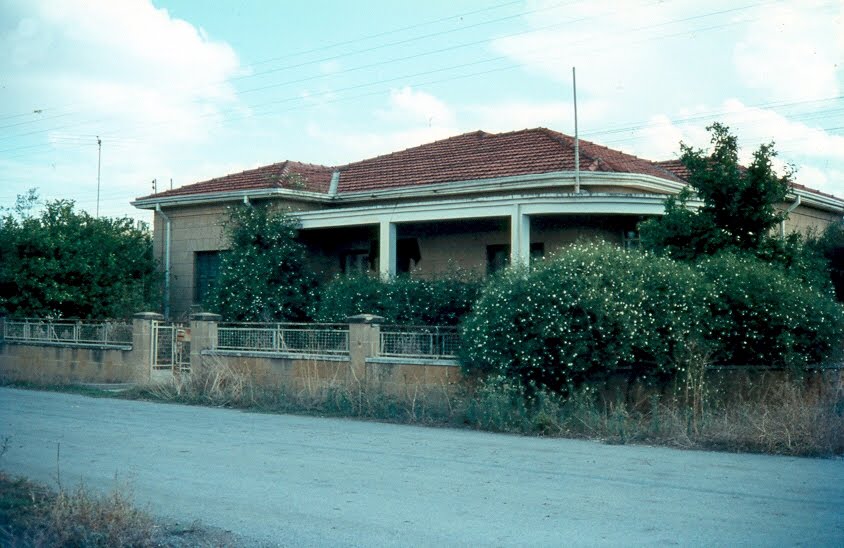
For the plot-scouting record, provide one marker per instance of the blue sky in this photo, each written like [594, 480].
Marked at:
[189, 90]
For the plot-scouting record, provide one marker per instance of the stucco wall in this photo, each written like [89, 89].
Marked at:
[49, 364]
[805, 219]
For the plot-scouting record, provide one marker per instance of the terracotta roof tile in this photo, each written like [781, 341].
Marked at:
[471, 156]
[481, 155]
[288, 174]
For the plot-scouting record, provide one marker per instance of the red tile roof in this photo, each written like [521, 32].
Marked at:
[481, 155]
[677, 168]
[467, 157]
[288, 174]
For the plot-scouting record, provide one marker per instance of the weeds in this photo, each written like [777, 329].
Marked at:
[725, 410]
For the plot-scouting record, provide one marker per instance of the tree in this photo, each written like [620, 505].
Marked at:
[263, 277]
[65, 263]
[738, 204]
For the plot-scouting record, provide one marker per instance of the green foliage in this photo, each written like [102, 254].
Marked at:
[404, 300]
[598, 308]
[65, 263]
[738, 209]
[263, 277]
[763, 315]
[583, 313]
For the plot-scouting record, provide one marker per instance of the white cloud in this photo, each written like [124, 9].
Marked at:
[147, 83]
[414, 107]
[814, 152]
[793, 51]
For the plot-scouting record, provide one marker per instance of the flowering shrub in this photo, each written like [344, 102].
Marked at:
[263, 276]
[763, 315]
[597, 308]
[588, 311]
[441, 301]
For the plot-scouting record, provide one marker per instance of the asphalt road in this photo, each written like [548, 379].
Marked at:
[305, 481]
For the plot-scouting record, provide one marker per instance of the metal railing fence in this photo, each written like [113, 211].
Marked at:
[295, 338]
[68, 332]
[419, 341]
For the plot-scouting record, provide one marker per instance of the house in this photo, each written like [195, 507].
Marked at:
[477, 201]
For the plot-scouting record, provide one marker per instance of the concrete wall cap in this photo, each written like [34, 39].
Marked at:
[365, 319]
[148, 316]
[205, 317]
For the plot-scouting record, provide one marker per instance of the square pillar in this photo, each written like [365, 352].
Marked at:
[519, 238]
[387, 249]
[203, 336]
[364, 342]
[142, 344]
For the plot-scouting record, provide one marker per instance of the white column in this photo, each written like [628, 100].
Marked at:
[519, 237]
[387, 249]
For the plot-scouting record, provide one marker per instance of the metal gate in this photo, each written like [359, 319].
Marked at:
[170, 349]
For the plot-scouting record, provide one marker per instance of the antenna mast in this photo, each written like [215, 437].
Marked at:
[576, 140]
[99, 161]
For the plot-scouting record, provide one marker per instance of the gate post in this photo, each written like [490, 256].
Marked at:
[142, 334]
[364, 340]
[203, 336]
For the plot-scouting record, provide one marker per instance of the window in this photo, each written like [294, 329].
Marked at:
[497, 257]
[630, 239]
[407, 250]
[355, 261]
[205, 274]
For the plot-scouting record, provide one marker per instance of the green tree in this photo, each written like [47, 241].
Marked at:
[738, 207]
[66, 263]
[263, 277]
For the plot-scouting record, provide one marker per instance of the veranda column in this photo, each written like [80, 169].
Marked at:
[519, 237]
[387, 251]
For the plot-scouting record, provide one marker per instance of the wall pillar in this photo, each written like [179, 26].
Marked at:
[387, 249]
[203, 336]
[142, 334]
[519, 237]
[364, 340]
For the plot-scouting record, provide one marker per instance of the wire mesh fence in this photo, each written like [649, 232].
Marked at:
[419, 341]
[297, 338]
[68, 332]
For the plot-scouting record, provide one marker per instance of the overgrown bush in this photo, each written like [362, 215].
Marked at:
[763, 315]
[584, 313]
[597, 308]
[66, 263]
[263, 276]
[403, 300]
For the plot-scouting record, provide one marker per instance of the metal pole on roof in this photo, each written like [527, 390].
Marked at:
[576, 140]
[99, 161]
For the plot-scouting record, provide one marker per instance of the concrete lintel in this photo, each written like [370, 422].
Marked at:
[205, 317]
[369, 319]
[148, 316]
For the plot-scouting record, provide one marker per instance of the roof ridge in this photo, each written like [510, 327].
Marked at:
[378, 157]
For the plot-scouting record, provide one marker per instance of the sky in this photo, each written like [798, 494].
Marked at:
[181, 91]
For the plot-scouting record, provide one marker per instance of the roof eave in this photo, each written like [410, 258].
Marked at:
[819, 201]
[228, 196]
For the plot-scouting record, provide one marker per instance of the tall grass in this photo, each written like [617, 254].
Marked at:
[764, 412]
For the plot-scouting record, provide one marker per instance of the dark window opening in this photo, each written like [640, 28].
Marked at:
[497, 257]
[407, 255]
[206, 273]
[537, 251]
[356, 261]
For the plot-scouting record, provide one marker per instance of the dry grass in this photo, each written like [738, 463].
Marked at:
[766, 413]
[34, 516]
